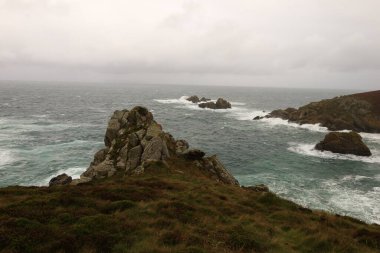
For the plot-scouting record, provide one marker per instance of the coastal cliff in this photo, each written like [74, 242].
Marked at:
[165, 197]
[358, 112]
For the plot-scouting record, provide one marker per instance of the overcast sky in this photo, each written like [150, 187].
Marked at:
[286, 43]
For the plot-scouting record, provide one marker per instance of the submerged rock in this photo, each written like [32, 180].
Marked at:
[344, 143]
[220, 104]
[134, 141]
[62, 179]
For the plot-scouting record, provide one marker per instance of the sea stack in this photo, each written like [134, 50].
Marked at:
[134, 141]
[220, 104]
[344, 143]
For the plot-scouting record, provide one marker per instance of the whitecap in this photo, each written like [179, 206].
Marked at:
[6, 157]
[309, 150]
[281, 122]
[181, 100]
[353, 202]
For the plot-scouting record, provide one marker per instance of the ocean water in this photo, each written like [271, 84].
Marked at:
[47, 129]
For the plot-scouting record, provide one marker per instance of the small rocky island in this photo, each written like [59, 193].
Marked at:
[344, 143]
[357, 112]
[203, 102]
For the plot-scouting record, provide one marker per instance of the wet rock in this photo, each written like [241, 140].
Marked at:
[62, 179]
[344, 143]
[193, 99]
[220, 104]
[203, 99]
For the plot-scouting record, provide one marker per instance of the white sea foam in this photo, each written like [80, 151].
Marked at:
[6, 157]
[181, 100]
[73, 172]
[309, 150]
[281, 122]
[354, 202]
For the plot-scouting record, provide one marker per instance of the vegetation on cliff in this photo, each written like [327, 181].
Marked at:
[358, 112]
[170, 208]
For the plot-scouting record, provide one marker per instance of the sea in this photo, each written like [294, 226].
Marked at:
[51, 128]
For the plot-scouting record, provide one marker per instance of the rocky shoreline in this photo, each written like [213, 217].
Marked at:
[357, 112]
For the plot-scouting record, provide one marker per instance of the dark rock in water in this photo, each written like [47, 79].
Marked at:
[344, 143]
[193, 154]
[358, 112]
[203, 99]
[210, 105]
[258, 188]
[220, 104]
[257, 118]
[194, 99]
[62, 179]
[135, 141]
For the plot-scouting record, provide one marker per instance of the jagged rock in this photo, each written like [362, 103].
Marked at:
[358, 112]
[258, 118]
[181, 146]
[194, 99]
[193, 154]
[220, 104]
[135, 141]
[216, 170]
[134, 158]
[344, 143]
[62, 179]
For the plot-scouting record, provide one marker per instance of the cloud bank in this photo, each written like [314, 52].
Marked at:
[316, 43]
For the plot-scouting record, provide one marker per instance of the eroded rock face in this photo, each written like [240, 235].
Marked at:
[62, 179]
[344, 143]
[357, 112]
[134, 141]
[220, 104]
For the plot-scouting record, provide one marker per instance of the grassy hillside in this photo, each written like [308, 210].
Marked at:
[170, 208]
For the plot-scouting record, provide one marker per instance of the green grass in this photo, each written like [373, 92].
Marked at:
[164, 211]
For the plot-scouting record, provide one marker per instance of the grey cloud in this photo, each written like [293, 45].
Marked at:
[211, 42]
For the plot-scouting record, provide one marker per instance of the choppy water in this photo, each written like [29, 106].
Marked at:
[46, 130]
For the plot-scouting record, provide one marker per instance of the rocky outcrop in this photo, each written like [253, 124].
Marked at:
[195, 99]
[344, 143]
[134, 141]
[357, 112]
[220, 104]
[62, 179]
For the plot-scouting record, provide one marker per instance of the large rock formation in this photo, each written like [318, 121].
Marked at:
[133, 140]
[220, 104]
[344, 143]
[358, 112]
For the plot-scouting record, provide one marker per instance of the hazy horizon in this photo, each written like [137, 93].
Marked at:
[290, 43]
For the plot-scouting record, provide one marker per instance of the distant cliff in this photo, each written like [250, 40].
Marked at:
[358, 112]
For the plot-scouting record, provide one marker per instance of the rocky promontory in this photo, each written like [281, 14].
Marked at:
[358, 112]
[134, 141]
[344, 143]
